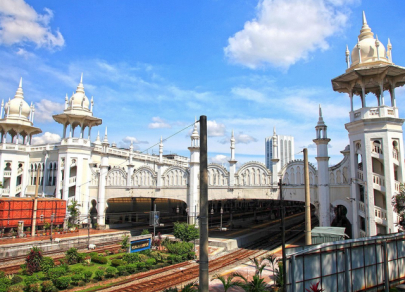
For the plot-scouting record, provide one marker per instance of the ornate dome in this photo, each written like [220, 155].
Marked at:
[12, 107]
[371, 49]
[79, 99]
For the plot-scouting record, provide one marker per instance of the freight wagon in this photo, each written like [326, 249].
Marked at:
[13, 210]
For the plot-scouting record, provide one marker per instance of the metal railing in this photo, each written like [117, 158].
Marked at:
[364, 264]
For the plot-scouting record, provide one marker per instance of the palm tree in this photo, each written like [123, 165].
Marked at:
[228, 282]
[273, 261]
[259, 265]
[256, 285]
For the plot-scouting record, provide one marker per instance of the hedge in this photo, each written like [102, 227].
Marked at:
[99, 260]
[62, 282]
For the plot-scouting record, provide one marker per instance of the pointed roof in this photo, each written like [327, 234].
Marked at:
[105, 140]
[232, 137]
[320, 120]
[98, 141]
[365, 31]
[194, 135]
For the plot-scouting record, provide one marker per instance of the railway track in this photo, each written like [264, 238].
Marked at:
[178, 277]
[14, 268]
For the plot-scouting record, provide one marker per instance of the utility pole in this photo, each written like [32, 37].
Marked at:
[283, 236]
[308, 239]
[34, 213]
[203, 279]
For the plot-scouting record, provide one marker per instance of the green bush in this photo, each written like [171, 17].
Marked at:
[2, 275]
[16, 279]
[145, 232]
[185, 232]
[99, 275]
[81, 283]
[150, 262]
[99, 260]
[146, 252]
[55, 273]
[5, 283]
[76, 278]
[116, 263]
[16, 288]
[141, 266]
[33, 260]
[78, 270]
[73, 256]
[121, 270]
[46, 264]
[30, 280]
[131, 258]
[157, 256]
[179, 248]
[47, 286]
[87, 275]
[34, 287]
[131, 268]
[110, 272]
[93, 253]
[62, 282]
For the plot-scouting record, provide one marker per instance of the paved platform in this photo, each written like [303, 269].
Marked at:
[82, 232]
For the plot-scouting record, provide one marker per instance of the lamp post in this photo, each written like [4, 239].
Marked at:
[52, 216]
[88, 231]
[212, 214]
[222, 211]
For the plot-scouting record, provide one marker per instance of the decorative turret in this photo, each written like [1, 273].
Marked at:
[98, 141]
[18, 118]
[347, 57]
[195, 137]
[322, 157]
[232, 147]
[77, 113]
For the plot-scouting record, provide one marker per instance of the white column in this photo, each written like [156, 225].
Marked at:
[368, 177]
[101, 202]
[193, 196]
[45, 173]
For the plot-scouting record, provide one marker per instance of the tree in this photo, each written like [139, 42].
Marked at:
[145, 232]
[398, 202]
[228, 282]
[124, 241]
[73, 209]
[34, 260]
[272, 261]
[259, 265]
[185, 232]
[256, 285]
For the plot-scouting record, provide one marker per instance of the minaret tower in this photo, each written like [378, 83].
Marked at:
[274, 159]
[322, 157]
[193, 196]
[375, 133]
[232, 162]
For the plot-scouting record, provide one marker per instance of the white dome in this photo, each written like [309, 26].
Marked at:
[12, 107]
[367, 45]
[79, 99]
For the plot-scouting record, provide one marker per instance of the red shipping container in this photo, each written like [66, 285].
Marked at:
[13, 210]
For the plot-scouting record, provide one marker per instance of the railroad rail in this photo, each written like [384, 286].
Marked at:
[178, 277]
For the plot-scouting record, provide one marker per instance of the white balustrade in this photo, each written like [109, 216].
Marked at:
[360, 174]
[378, 180]
[5, 191]
[72, 180]
[362, 207]
[395, 154]
[380, 213]
[376, 149]
[397, 186]
[18, 188]
[7, 173]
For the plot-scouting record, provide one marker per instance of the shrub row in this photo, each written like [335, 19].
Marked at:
[99, 260]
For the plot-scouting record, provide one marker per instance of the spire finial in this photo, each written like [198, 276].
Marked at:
[274, 130]
[19, 93]
[105, 131]
[20, 83]
[320, 111]
[364, 18]
[80, 87]
[81, 78]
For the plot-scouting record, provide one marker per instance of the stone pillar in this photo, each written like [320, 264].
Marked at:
[20, 230]
[101, 202]
[193, 196]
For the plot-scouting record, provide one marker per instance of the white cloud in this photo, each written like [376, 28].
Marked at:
[158, 123]
[249, 94]
[126, 142]
[215, 129]
[24, 53]
[45, 109]
[286, 31]
[219, 159]
[46, 138]
[244, 138]
[20, 23]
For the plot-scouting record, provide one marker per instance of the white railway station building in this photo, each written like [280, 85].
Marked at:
[96, 172]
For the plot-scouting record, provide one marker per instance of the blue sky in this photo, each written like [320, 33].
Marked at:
[152, 66]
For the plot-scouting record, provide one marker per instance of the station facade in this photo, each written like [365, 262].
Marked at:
[359, 189]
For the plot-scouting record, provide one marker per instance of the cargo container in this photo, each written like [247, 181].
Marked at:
[13, 210]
